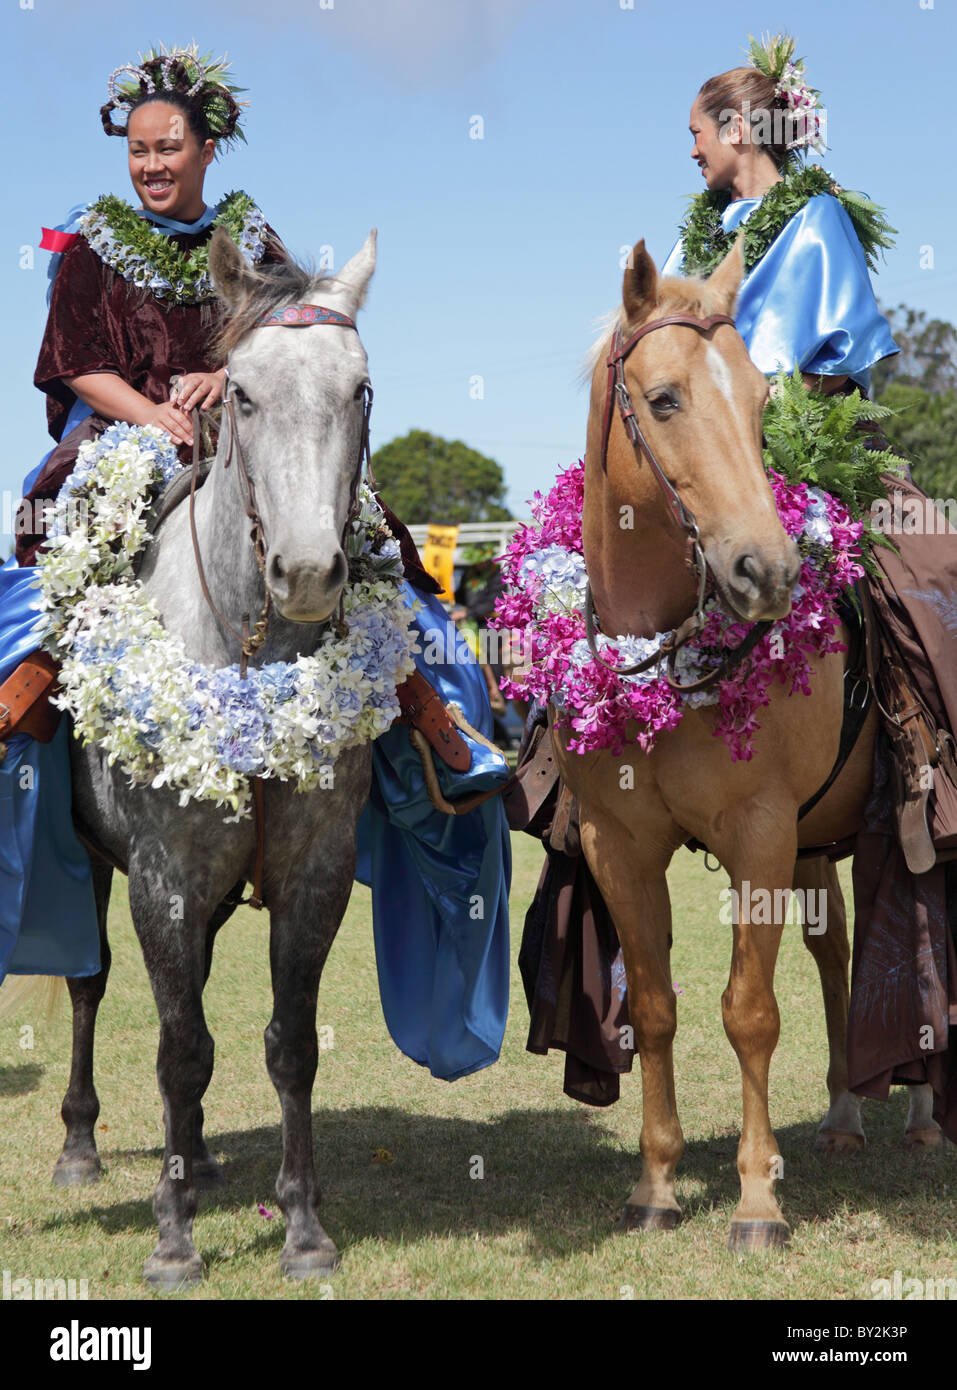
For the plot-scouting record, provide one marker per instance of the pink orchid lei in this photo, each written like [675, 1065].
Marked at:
[543, 571]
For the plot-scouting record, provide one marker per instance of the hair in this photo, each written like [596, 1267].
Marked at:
[730, 90]
[211, 110]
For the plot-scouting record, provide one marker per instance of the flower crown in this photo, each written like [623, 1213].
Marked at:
[180, 70]
[774, 56]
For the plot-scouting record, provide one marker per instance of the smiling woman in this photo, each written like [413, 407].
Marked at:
[131, 306]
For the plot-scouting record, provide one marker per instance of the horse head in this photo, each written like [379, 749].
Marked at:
[698, 400]
[297, 398]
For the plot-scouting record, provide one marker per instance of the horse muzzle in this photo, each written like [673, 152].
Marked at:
[306, 589]
[758, 584]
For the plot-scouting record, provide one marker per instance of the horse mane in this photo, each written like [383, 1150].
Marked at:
[271, 285]
[677, 294]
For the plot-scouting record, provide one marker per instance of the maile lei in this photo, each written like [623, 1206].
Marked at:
[168, 720]
[705, 243]
[133, 249]
[544, 591]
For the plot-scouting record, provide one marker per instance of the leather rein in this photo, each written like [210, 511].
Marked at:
[683, 516]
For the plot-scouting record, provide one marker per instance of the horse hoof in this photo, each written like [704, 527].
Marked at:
[638, 1218]
[208, 1175]
[919, 1139]
[758, 1235]
[76, 1172]
[838, 1141]
[310, 1264]
[166, 1276]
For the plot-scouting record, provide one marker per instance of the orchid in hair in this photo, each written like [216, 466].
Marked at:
[773, 55]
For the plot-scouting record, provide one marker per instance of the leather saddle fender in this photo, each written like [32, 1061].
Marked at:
[422, 708]
[24, 701]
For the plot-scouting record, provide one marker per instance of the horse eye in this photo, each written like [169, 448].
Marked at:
[662, 402]
[240, 394]
[360, 390]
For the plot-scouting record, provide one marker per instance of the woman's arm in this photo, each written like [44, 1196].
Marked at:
[828, 384]
[113, 398]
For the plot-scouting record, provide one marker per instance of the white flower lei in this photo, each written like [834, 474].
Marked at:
[168, 720]
[131, 265]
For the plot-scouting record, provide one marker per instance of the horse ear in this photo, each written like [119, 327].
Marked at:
[639, 292]
[726, 279]
[355, 275]
[227, 267]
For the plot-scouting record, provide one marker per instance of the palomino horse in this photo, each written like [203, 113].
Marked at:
[300, 413]
[698, 399]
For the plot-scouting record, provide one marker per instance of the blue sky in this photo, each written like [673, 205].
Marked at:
[495, 255]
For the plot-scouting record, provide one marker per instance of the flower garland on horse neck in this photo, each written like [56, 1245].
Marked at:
[171, 721]
[544, 591]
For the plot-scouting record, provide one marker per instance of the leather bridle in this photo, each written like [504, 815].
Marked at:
[617, 390]
[292, 316]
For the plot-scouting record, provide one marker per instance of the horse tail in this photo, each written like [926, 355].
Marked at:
[44, 994]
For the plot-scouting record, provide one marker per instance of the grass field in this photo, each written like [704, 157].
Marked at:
[411, 1222]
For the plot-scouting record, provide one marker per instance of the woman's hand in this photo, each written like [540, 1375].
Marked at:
[168, 416]
[201, 389]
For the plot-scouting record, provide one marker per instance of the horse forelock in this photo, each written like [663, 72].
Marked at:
[676, 295]
[270, 287]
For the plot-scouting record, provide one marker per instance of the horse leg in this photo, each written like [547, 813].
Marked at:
[303, 926]
[641, 910]
[207, 1171]
[758, 866]
[922, 1131]
[826, 938]
[175, 959]
[79, 1161]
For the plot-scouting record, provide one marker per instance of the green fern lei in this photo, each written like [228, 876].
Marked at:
[812, 438]
[705, 243]
[160, 253]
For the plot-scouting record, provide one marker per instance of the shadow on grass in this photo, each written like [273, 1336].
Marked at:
[555, 1175]
[19, 1080]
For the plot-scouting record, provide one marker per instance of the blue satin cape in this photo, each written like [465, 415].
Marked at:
[440, 883]
[808, 302]
[47, 911]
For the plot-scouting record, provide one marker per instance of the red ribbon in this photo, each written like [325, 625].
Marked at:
[53, 240]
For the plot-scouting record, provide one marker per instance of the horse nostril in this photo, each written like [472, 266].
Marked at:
[276, 568]
[340, 570]
[746, 569]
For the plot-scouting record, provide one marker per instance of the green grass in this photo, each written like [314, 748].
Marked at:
[540, 1224]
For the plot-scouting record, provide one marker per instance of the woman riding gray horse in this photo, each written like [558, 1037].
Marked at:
[132, 308]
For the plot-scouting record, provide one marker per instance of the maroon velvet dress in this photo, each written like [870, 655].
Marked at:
[99, 322]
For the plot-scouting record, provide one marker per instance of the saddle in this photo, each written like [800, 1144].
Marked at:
[25, 701]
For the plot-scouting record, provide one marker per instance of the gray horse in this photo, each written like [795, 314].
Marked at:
[299, 409]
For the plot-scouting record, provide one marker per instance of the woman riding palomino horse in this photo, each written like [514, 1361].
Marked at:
[132, 306]
[676, 380]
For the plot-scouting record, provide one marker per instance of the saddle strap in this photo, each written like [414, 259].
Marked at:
[24, 699]
[912, 736]
[423, 709]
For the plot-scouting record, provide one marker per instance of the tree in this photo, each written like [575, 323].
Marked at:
[927, 351]
[924, 433]
[425, 478]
